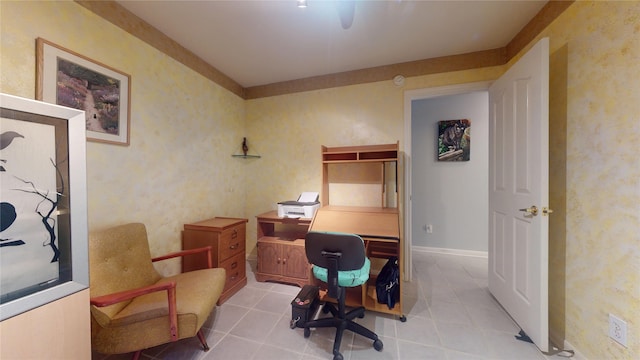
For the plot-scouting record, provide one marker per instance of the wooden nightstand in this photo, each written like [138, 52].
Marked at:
[227, 236]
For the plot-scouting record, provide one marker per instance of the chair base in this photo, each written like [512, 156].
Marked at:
[343, 321]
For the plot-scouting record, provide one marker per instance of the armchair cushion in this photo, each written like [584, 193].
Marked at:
[120, 260]
[192, 298]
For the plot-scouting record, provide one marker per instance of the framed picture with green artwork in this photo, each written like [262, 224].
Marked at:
[454, 140]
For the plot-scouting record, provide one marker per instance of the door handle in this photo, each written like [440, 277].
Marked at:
[546, 211]
[533, 210]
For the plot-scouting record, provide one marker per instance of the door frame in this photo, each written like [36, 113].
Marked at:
[409, 97]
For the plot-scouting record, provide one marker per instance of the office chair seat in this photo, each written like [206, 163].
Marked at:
[340, 261]
[351, 278]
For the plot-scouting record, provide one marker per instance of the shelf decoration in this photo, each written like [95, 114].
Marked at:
[245, 148]
[245, 151]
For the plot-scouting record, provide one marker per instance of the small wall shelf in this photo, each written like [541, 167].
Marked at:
[245, 149]
[246, 156]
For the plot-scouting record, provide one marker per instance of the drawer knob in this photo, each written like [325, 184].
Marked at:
[234, 246]
[234, 265]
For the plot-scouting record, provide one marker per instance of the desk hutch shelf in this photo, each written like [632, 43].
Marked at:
[380, 154]
[378, 226]
[370, 153]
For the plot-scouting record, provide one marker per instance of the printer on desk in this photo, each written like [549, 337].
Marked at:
[304, 207]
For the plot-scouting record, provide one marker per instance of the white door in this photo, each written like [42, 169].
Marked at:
[518, 186]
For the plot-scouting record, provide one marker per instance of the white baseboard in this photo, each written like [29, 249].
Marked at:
[459, 252]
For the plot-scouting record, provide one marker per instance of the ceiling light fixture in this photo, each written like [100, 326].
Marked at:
[302, 4]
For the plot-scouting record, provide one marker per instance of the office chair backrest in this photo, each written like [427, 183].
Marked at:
[350, 246]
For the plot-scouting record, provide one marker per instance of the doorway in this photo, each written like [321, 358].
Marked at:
[450, 146]
[416, 224]
[519, 173]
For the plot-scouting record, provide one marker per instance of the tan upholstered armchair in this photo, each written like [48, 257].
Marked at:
[132, 306]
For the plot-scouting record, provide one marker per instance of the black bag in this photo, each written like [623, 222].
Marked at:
[388, 283]
[304, 306]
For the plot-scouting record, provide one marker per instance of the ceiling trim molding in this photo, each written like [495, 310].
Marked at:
[381, 73]
[129, 22]
[549, 12]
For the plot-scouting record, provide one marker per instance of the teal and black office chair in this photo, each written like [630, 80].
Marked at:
[339, 260]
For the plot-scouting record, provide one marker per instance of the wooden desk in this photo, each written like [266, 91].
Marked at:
[380, 229]
[368, 222]
[281, 255]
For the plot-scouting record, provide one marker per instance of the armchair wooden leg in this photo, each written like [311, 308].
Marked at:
[203, 340]
[136, 355]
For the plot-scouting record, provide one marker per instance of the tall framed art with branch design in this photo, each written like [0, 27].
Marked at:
[43, 199]
[69, 79]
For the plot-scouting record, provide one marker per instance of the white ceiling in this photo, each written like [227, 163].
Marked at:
[261, 42]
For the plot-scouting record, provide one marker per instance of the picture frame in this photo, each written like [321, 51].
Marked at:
[454, 140]
[66, 78]
[43, 193]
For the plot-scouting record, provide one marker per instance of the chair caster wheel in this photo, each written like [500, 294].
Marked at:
[307, 332]
[378, 345]
[403, 318]
[361, 316]
[338, 356]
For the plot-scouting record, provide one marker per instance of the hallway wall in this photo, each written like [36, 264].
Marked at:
[450, 196]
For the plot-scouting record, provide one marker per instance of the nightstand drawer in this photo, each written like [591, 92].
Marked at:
[232, 242]
[236, 269]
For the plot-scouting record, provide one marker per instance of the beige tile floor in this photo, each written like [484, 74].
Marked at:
[450, 316]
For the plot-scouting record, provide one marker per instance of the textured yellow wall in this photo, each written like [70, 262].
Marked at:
[184, 128]
[289, 130]
[594, 176]
[595, 241]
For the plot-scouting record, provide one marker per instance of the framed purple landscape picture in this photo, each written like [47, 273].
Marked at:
[43, 203]
[454, 140]
[69, 79]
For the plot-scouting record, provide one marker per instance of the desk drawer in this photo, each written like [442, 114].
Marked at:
[236, 270]
[232, 241]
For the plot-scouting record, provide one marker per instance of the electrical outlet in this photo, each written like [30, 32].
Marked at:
[618, 330]
[429, 229]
